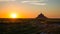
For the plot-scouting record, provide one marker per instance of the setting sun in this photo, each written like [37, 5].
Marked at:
[13, 15]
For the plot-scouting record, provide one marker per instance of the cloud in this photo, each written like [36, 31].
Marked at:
[38, 3]
[34, 2]
[7, 0]
[29, 1]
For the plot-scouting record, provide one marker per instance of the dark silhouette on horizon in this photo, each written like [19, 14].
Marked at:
[41, 16]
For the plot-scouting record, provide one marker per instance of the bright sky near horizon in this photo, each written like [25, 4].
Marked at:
[29, 8]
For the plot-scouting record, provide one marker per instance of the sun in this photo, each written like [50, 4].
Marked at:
[13, 15]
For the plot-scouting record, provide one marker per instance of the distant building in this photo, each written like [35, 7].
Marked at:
[41, 16]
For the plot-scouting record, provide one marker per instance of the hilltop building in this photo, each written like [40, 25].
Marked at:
[41, 16]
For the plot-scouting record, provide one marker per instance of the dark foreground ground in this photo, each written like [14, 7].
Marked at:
[29, 27]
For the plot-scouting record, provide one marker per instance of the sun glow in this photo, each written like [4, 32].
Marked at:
[13, 15]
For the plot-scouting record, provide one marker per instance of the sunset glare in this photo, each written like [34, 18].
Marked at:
[13, 15]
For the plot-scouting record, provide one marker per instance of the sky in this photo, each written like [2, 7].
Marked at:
[30, 8]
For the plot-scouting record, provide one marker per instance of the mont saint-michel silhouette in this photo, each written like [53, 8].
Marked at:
[39, 25]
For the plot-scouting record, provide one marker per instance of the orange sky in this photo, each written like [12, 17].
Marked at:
[50, 9]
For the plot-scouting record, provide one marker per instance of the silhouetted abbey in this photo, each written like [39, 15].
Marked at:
[41, 16]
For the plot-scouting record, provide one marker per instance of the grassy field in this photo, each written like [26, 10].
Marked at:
[29, 26]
